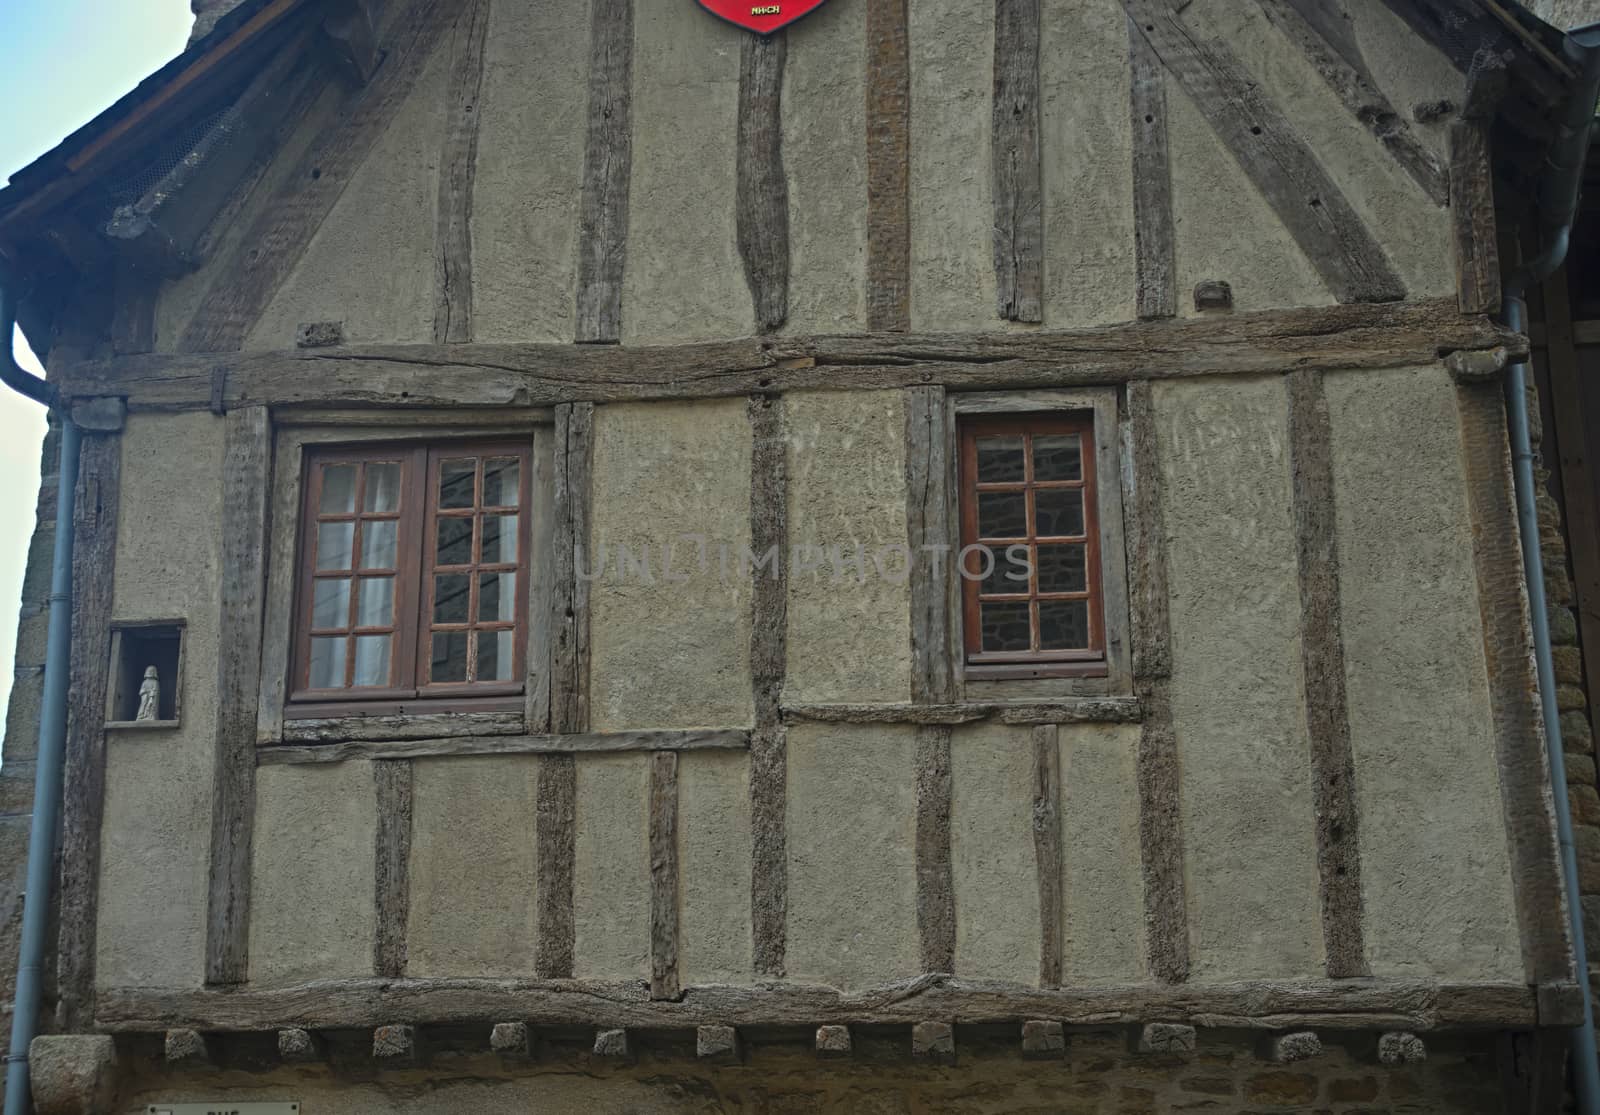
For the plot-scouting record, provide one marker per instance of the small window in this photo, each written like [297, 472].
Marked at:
[413, 579]
[1032, 602]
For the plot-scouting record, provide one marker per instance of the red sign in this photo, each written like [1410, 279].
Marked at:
[761, 18]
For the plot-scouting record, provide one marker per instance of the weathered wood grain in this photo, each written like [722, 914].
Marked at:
[1047, 850]
[928, 524]
[1472, 217]
[664, 875]
[458, 377]
[1147, 564]
[387, 729]
[556, 830]
[458, 163]
[1154, 239]
[577, 743]
[936, 900]
[246, 482]
[761, 202]
[133, 319]
[1274, 156]
[1018, 179]
[95, 514]
[607, 172]
[280, 234]
[1310, 440]
[569, 622]
[392, 867]
[769, 603]
[1068, 710]
[888, 166]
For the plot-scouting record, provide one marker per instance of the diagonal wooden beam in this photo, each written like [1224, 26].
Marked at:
[1274, 156]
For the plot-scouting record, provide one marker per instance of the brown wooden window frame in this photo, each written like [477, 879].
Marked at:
[410, 686]
[1037, 662]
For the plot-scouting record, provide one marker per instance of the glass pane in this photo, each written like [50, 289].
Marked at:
[1061, 568]
[376, 606]
[995, 580]
[330, 604]
[1000, 460]
[327, 663]
[499, 539]
[1002, 514]
[1005, 627]
[333, 545]
[502, 481]
[1058, 511]
[380, 542]
[497, 597]
[450, 593]
[449, 656]
[1063, 624]
[372, 660]
[496, 658]
[455, 540]
[1057, 457]
[383, 487]
[455, 482]
[338, 490]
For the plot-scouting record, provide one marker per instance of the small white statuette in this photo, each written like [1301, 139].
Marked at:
[149, 695]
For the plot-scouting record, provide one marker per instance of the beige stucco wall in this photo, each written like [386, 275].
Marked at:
[1435, 869]
[991, 853]
[714, 943]
[1408, 69]
[611, 868]
[1102, 885]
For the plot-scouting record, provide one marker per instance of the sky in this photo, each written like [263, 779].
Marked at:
[62, 62]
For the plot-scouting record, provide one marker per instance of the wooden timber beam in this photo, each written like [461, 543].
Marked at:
[1353, 336]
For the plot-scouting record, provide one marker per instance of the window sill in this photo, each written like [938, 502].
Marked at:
[301, 725]
[141, 725]
[1026, 671]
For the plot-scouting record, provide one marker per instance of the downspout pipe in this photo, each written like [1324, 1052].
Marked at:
[1559, 205]
[48, 773]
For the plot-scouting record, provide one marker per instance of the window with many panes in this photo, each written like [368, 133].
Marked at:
[1032, 601]
[413, 582]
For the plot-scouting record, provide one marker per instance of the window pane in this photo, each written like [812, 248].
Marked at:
[372, 660]
[1005, 627]
[455, 482]
[380, 543]
[496, 658]
[455, 540]
[1002, 514]
[1061, 568]
[327, 663]
[383, 487]
[1063, 624]
[376, 606]
[1057, 457]
[449, 656]
[1058, 511]
[338, 490]
[450, 593]
[502, 481]
[333, 545]
[499, 539]
[497, 597]
[1000, 459]
[330, 604]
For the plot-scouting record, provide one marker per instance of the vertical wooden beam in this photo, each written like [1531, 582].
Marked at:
[664, 875]
[762, 213]
[928, 524]
[1322, 668]
[1160, 816]
[133, 319]
[246, 476]
[392, 781]
[95, 517]
[607, 170]
[1047, 849]
[936, 902]
[458, 163]
[1513, 688]
[888, 166]
[1472, 217]
[1018, 180]
[1153, 237]
[769, 603]
[556, 821]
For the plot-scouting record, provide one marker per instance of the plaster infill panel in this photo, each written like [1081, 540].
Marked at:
[1245, 762]
[670, 644]
[1435, 864]
[851, 822]
[714, 867]
[473, 867]
[1408, 68]
[611, 868]
[849, 633]
[312, 906]
[994, 869]
[1102, 885]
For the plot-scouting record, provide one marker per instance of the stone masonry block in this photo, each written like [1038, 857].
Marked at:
[612, 1043]
[1166, 1037]
[1576, 734]
[1569, 698]
[717, 1043]
[1563, 626]
[1580, 769]
[1569, 665]
[73, 1074]
[1585, 802]
[1298, 1046]
[187, 1048]
[833, 1041]
[395, 1044]
[1591, 916]
[510, 1039]
[1586, 842]
[299, 1046]
[1043, 1040]
[934, 1041]
[1399, 1047]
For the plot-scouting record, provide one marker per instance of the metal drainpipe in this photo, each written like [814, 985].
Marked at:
[1562, 186]
[52, 729]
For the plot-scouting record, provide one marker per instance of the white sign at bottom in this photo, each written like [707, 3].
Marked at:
[222, 1107]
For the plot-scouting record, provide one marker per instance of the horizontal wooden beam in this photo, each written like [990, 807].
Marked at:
[1357, 1004]
[1387, 335]
[693, 739]
[1072, 710]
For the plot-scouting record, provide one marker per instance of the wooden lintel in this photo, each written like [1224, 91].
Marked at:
[690, 739]
[1070, 710]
